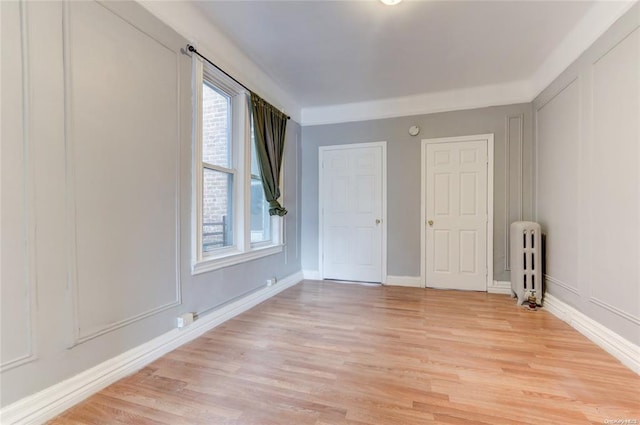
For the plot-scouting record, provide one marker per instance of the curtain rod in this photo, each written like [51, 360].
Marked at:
[194, 50]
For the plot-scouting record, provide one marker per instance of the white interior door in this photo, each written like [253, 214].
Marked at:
[456, 215]
[351, 186]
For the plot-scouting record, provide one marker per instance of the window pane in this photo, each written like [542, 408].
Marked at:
[260, 219]
[217, 210]
[216, 135]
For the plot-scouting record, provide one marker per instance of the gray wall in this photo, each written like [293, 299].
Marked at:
[96, 191]
[588, 179]
[512, 127]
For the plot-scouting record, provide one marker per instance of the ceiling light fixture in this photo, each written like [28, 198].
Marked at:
[390, 2]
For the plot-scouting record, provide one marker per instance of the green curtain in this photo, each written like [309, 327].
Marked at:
[269, 126]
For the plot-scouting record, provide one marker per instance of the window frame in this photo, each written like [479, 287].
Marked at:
[232, 168]
[242, 249]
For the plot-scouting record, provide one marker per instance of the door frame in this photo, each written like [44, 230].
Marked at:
[423, 201]
[321, 152]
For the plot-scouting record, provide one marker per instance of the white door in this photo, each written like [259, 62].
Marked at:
[351, 190]
[456, 215]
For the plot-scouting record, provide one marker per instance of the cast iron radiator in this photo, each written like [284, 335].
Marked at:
[526, 260]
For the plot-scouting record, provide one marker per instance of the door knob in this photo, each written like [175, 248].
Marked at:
[430, 222]
[378, 221]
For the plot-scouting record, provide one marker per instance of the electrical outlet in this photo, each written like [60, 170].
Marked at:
[270, 282]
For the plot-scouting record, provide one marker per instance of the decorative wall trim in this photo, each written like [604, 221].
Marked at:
[298, 185]
[507, 195]
[71, 204]
[46, 404]
[620, 348]
[411, 281]
[122, 323]
[614, 46]
[28, 192]
[311, 274]
[500, 287]
[565, 286]
[615, 310]
[520, 118]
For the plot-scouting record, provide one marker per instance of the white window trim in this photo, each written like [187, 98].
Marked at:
[233, 258]
[243, 249]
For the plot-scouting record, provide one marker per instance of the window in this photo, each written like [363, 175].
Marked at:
[217, 169]
[232, 216]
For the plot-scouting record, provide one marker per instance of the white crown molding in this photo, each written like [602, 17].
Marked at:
[426, 103]
[186, 19]
[596, 21]
[627, 352]
[50, 402]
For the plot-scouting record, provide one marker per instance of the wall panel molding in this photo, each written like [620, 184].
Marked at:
[613, 47]
[630, 317]
[558, 134]
[591, 181]
[614, 87]
[81, 335]
[28, 193]
[52, 401]
[71, 246]
[561, 284]
[518, 139]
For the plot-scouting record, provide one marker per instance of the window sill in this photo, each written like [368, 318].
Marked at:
[226, 260]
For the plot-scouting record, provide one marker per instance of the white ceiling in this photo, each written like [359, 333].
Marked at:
[341, 52]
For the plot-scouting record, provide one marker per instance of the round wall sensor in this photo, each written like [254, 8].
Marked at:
[414, 130]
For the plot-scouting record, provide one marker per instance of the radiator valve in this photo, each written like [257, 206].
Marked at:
[532, 299]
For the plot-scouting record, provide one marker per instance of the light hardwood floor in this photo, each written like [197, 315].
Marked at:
[330, 353]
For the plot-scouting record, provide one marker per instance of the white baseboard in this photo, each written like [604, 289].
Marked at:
[620, 348]
[412, 281]
[500, 287]
[50, 402]
[311, 274]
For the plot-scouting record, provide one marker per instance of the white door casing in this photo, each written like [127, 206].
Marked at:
[457, 212]
[352, 231]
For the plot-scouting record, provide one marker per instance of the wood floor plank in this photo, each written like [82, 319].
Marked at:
[325, 353]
